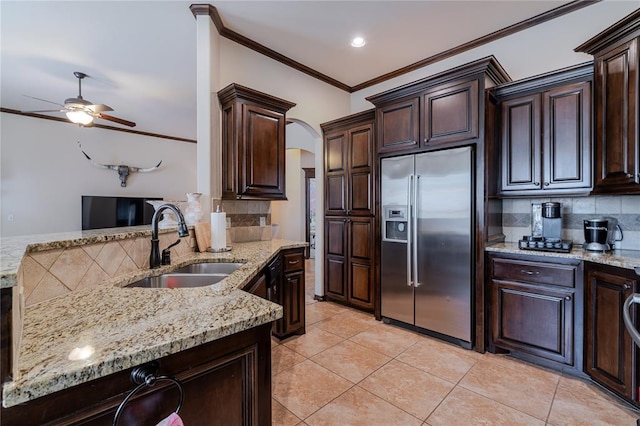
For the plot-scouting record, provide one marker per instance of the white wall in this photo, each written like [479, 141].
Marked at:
[539, 49]
[316, 102]
[44, 173]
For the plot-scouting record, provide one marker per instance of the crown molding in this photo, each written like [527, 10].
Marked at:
[212, 12]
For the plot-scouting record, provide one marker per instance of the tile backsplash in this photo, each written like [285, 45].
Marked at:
[516, 216]
[244, 216]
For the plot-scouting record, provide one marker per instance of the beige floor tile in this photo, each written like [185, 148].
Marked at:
[280, 416]
[306, 387]
[441, 359]
[359, 407]
[348, 324]
[386, 339]
[314, 341]
[350, 360]
[463, 407]
[416, 392]
[577, 402]
[283, 358]
[314, 313]
[519, 385]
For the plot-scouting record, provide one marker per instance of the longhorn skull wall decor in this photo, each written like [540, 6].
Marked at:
[123, 170]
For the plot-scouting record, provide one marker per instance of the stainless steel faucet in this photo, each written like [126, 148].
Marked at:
[154, 257]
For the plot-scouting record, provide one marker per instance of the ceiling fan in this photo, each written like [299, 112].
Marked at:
[81, 111]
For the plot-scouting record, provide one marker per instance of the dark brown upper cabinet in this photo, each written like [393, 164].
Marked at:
[451, 114]
[398, 125]
[546, 133]
[253, 144]
[617, 106]
[349, 164]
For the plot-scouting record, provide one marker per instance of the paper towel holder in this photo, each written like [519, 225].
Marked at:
[219, 250]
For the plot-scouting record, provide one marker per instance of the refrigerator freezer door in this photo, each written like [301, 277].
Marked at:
[444, 189]
[396, 289]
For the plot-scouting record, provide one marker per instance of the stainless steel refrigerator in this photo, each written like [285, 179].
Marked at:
[426, 251]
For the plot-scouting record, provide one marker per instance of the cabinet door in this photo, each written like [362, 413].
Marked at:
[360, 281]
[294, 303]
[533, 319]
[451, 114]
[258, 286]
[567, 137]
[398, 125]
[263, 165]
[610, 357]
[617, 151]
[335, 165]
[360, 181]
[335, 271]
[521, 144]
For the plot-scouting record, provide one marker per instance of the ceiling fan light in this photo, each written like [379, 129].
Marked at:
[79, 117]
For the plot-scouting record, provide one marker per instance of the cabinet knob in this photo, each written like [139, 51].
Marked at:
[629, 176]
[527, 272]
[567, 298]
[546, 184]
[626, 287]
[536, 183]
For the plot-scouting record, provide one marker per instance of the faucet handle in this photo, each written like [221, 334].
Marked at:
[166, 253]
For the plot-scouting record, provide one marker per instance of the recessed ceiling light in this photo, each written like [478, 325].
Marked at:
[358, 42]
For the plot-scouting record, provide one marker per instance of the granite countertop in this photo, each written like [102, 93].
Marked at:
[90, 334]
[627, 259]
[12, 249]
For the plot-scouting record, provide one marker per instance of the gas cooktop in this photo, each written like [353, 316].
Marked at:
[531, 242]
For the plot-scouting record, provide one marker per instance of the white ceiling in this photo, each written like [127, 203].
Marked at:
[141, 55]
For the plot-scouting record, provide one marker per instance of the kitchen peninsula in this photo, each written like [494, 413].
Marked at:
[77, 350]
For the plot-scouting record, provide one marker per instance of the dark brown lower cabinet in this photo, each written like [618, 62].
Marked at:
[289, 292]
[535, 308]
[611, 357]
[225, 382]
[348, 261]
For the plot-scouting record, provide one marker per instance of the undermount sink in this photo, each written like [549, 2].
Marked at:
[208, 268]
[179, 280]
[194, 275]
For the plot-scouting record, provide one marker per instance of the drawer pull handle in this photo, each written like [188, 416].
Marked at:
[524, 271]
[293, 262]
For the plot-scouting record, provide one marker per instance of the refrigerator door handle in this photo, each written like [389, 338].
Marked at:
[409, 233]
[414, 260]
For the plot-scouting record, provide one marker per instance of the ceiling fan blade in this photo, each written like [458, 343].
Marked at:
[44, 110]
[116, 120]
[43, 100]
[99, 108]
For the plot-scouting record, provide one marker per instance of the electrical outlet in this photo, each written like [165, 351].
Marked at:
[263, 221]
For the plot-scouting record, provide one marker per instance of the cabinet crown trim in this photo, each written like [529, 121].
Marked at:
[575, 73]
[625, 27]
[235, 91]
[349, 120]
[489, 66]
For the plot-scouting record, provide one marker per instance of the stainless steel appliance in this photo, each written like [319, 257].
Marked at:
[427, 244]
[600, 234]
[549, 235]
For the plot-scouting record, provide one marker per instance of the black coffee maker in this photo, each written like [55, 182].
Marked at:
[600, 234]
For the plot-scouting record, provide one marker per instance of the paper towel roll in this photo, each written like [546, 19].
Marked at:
[218, 230]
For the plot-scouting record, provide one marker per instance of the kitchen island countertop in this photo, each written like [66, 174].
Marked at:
[90, 334]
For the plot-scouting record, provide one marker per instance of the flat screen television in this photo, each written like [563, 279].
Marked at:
[112, 212]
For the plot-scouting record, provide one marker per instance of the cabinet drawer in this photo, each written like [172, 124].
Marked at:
[293, 261]
[535, 272]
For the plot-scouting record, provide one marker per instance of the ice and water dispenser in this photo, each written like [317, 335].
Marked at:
[395, 223]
